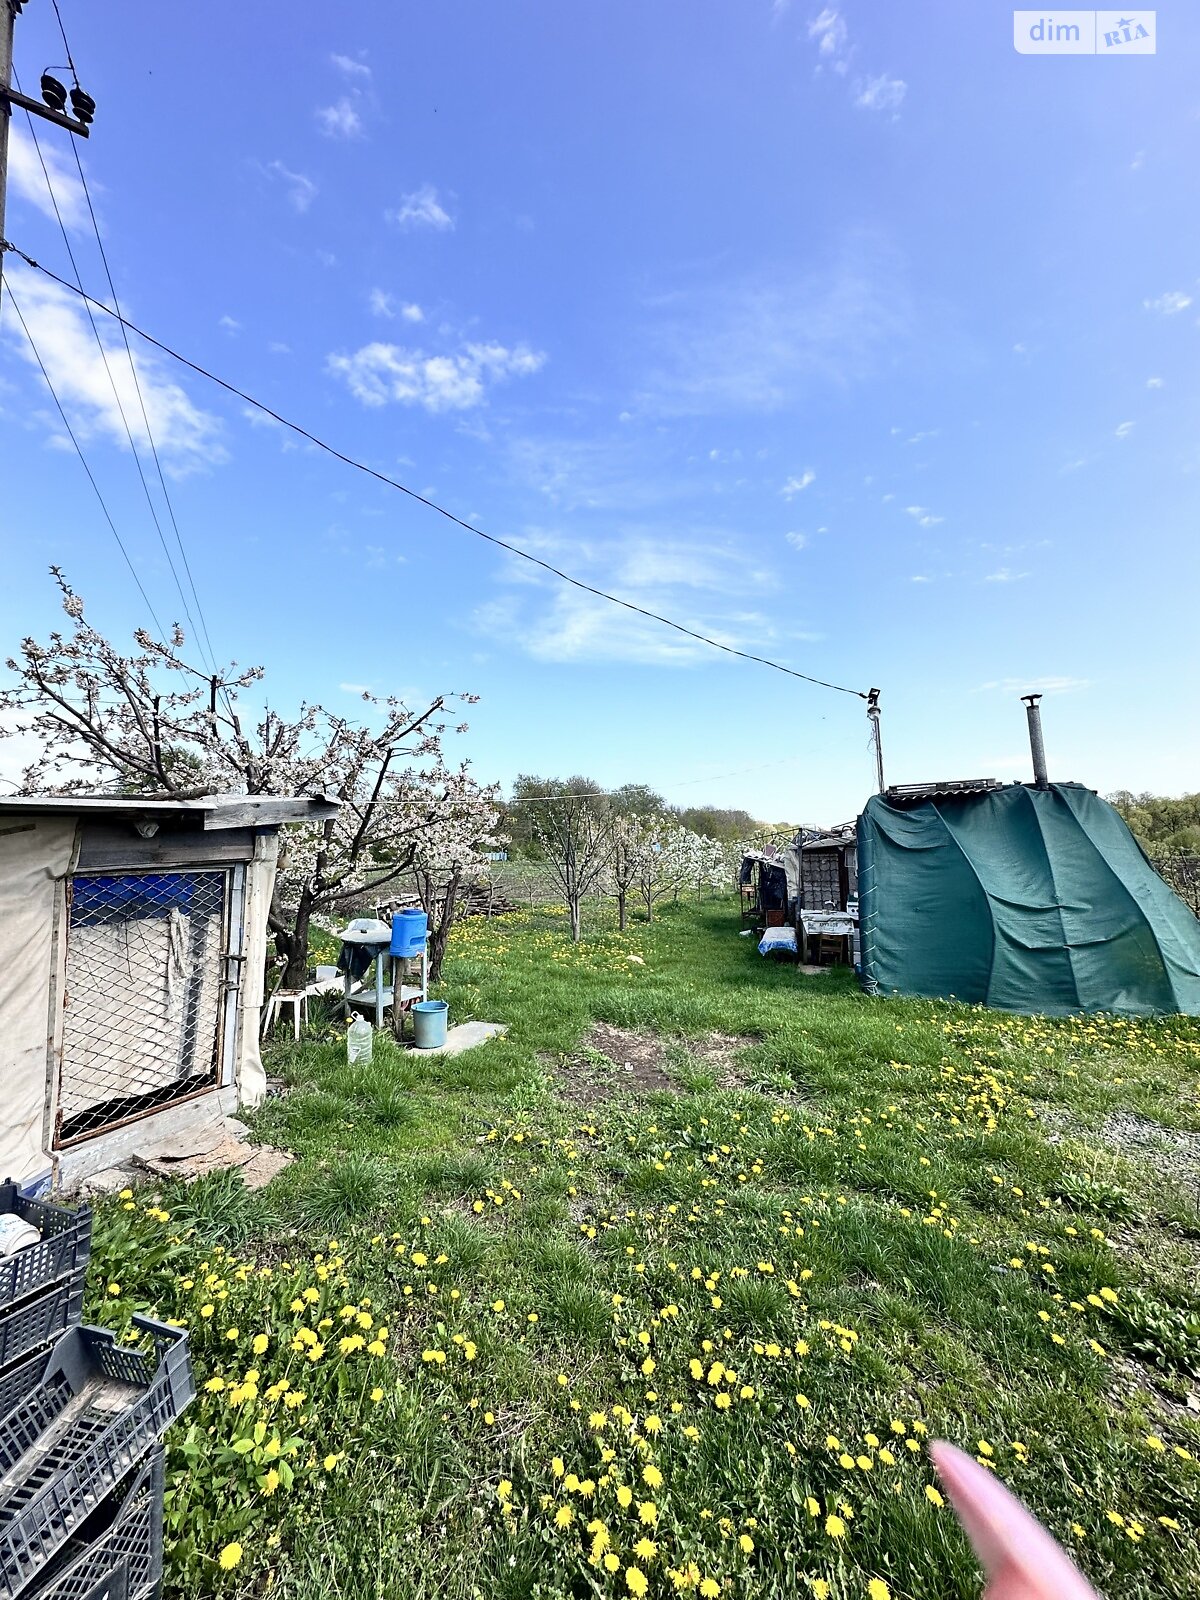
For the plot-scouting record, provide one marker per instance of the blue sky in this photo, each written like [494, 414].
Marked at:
[846, 334]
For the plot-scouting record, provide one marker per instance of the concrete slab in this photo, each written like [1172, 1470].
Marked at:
[190, 1158]
[465, 1037]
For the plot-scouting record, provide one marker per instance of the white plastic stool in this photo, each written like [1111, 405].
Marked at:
[297, 999]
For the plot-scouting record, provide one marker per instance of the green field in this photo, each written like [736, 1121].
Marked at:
[528, 1322]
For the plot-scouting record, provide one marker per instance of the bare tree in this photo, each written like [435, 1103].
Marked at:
[572, 821]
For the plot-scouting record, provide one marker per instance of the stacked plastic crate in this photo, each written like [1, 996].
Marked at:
[81, 1423]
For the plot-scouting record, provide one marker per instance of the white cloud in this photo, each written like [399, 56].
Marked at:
[380, 373]
[278, 348]
[1124, 429]
[759, 343]
[796, 540]
[795, 485]
[920, 437]
[421, 209]
[1005, 575]
[28, 181]
[881, 93]
[920, 577]
[1169, 304]
[1049, 683]
[301, 191]
[188, 439]
[1154, 383]
[829, 30]
[383, 304]
[923, 516]
[352, 68]
[340, 120]
[230, 324]
[260, 419]
[689, 579]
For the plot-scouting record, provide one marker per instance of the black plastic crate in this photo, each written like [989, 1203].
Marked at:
[118, 1553]
[19, 1381]
[66, 1244]
[95, 1411]
[32, 1323]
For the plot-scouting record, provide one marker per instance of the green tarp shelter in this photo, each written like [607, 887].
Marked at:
[1031, 900]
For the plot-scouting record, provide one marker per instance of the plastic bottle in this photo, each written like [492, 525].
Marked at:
[16, 1234]
[360, 1038]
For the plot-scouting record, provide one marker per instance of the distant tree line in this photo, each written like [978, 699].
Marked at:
[726, 825]
[627, 843]
[1160, 823]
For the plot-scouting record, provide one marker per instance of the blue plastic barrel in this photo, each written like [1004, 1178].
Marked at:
[409, 932]
[429, 1024]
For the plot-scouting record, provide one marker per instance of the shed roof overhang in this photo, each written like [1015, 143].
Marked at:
[208, 813]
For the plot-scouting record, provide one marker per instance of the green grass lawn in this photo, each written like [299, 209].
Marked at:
[521, 1322]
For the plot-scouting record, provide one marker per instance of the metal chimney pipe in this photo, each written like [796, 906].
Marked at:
[1037, 748]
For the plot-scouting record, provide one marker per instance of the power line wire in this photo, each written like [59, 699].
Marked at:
[668, 783]
[112, 289]
[66, 45]
[83, 459]
[108, 368]
[432, 505]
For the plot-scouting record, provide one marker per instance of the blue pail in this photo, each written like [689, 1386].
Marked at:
[409, 932]
[429, 1024]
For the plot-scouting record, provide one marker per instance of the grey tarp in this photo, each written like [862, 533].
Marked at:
[1025, 899]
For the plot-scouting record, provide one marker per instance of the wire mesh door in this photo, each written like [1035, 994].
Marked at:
[145, 989]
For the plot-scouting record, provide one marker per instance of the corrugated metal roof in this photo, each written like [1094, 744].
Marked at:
[898, 793]
[828, 838]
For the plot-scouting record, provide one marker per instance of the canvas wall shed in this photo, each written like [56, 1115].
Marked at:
[133, 944]
[1027, 899]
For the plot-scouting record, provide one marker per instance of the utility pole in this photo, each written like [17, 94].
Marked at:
[53, 94]
[876, 741]
[8, 18]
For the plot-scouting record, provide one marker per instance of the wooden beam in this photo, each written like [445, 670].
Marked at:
[37, 109]
[268, 813]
